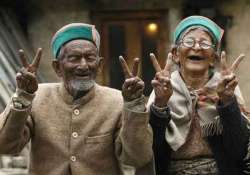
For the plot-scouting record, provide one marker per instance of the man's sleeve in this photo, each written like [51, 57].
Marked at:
[135, 138]
[15, 127]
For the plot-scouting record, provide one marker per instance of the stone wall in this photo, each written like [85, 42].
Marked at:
[238, 40]
[45, 21]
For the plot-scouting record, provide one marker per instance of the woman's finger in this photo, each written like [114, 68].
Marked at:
[237, 62]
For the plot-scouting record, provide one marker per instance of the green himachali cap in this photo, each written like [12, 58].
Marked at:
[191, 21]
[72, 32]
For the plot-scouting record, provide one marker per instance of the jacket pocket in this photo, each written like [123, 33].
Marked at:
[99, 138]
[99, 152]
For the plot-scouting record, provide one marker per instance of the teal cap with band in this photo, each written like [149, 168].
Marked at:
[202, 21]
[74, 31]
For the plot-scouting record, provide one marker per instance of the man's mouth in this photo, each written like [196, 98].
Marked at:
[195, 58]
[82, 75]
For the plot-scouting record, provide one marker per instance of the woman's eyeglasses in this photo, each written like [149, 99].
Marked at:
[190, 43]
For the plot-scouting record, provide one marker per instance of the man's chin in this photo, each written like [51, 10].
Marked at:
[81, 86]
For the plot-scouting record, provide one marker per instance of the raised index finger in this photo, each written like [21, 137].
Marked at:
[23, 59]
[155, 62]
[126, 70]
[168, 65]
[223, 61]
[237, 62]
[36, 61]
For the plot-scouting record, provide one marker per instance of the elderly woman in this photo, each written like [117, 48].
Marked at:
[197, 113]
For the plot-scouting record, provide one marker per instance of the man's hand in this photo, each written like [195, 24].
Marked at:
[133, 86]
[228, 82]
[161, 82]
[26, 78]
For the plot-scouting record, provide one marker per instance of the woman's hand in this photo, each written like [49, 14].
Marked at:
[228, 82]
[161, 82]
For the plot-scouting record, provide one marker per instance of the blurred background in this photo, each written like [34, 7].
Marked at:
[132, 28]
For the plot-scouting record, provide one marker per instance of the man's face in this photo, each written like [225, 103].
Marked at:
[78, 65]
[195, 59]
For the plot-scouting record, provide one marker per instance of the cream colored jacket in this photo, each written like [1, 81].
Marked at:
[90, 137]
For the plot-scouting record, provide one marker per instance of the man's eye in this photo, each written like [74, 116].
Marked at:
[73, 57]
[91, 58]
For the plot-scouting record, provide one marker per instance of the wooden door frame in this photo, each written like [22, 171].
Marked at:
[101, 16]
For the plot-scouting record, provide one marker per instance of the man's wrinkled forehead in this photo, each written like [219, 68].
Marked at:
[80, 46]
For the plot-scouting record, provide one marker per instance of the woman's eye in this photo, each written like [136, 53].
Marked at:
[189, 42]
[206, 42]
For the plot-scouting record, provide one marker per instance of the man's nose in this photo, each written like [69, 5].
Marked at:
[83, 63]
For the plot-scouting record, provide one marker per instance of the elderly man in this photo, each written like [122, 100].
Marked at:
[77, 127]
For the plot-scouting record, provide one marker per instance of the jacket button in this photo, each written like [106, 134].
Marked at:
[73, 158]
[75, 134]
[76, 112]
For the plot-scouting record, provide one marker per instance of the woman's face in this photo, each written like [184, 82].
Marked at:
[197, 58]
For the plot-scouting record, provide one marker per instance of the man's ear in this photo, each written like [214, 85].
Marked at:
[57, 68]
[100, 64]
[174, 51]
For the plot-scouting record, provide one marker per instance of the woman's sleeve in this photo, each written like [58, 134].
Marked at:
[159, 122]
[235, 132]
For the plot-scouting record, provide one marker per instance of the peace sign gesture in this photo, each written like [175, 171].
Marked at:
[161, 82]
[228, 82]
[26, 78]
[133, 86]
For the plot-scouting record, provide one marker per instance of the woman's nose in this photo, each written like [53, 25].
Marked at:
[197, 46]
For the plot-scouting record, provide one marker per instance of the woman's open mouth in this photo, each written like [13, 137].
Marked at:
[196, 58]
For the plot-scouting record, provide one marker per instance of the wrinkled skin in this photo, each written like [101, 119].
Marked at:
[77, 65]
[194, 64]
[26, 78]
[133, 86]
[161, 82]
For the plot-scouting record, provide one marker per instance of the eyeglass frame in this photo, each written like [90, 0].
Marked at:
[199, 43]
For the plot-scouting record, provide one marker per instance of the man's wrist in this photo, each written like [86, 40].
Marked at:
[137, 104]
[22, 99]
[18, 105]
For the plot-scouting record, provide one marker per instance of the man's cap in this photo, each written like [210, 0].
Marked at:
[74, 31]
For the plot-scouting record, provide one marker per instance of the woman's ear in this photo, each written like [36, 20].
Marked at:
[57, 68]
[174, 51]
